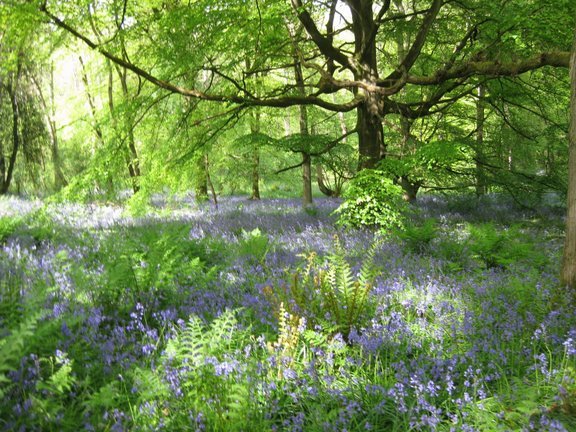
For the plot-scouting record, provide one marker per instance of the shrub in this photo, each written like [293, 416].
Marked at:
[372, 200]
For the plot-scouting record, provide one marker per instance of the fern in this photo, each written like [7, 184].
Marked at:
[417, 238]
[13, 348]
[329, 288]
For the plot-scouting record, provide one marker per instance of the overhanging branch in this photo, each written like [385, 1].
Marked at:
[494, 68]
[275, 102]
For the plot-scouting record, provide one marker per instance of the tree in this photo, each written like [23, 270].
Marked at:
[568, 273]
[23, 130]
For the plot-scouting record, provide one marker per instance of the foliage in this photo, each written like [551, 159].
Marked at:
[8, 225]
[417, 238]
[372, 200]
[497, 248]
[12, 349]
[207, 382]
[146, 265]
[254, 244]
[326, 292]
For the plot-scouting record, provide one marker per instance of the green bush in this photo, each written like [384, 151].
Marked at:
[372, 200]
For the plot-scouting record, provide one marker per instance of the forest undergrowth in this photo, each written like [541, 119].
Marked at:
[262, 316]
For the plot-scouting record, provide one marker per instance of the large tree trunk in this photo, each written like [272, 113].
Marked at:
[568, 273]
[370, 132]
[371, 145]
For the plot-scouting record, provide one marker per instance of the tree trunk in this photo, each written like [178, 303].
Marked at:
[109, 181]
[255, 174]
[209, 179]
[307, 179]
[409, 188]
[50, 114]
[568, 273]
[9, 171]
[132, 160]
[201, 186]
[481, 187]
[370, 132]
[255, 128]
[371, 145]
[59, 178]
[322, 182]
[306, 159]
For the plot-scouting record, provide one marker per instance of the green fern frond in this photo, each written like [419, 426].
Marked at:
[13, 348]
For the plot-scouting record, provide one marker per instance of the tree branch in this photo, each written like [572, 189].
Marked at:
[494, 68]
[278, 102]
[419, 41]
[323, 43]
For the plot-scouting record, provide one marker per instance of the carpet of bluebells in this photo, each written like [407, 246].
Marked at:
[259, 315]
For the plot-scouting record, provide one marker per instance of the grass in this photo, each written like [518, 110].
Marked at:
[262, 316]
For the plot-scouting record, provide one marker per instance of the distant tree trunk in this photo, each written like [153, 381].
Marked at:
[50, 113]
[409, 186]
[255, 128]
[307, 179]
[91, 104]
[255, 174]
[209, 179]
[568, 272]
[132, 160]
[201, 183]
[481, 187]
[59, 178]
[306, 158]
[96, 125]
[7, 172]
